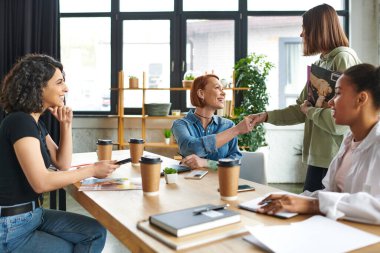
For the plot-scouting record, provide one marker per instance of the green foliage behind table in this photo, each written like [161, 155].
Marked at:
[252, 72]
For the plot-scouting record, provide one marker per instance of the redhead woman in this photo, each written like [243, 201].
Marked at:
[202, 136]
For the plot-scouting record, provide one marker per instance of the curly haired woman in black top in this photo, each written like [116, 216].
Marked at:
[35, 84]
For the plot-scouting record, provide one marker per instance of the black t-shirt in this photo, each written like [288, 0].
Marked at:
[14, 187]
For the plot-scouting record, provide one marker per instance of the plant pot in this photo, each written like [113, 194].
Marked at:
[157, 109]
[187, 83]
[167, 140]
[133, 83]
[171, 178]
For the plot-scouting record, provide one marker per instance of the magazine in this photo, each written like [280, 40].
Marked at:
[320, 85]
[109, 184]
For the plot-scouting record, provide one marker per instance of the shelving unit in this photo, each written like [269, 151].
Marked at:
[143, 117]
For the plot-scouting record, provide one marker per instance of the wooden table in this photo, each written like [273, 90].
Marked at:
[119, 211]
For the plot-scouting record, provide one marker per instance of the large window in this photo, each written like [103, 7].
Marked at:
[210, 48]
[281, 33]
[166, 38]
[146, 48]
[86, 55]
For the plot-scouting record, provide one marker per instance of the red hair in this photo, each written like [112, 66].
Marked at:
[199, 84]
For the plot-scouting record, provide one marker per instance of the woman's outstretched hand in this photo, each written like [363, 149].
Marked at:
[105, 168]
[245, 126]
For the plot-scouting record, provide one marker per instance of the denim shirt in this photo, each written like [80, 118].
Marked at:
[192, 138]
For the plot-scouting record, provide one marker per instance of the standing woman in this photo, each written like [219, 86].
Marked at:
[35, 84]
[352, 184]
[203, 137]
[321, 34]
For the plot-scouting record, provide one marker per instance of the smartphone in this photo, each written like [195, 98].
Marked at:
[124, 161]
[196, 174]
[245, 187]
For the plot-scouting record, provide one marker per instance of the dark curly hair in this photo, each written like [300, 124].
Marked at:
[22, 86]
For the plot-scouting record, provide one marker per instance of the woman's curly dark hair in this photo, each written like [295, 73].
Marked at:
[22, 86]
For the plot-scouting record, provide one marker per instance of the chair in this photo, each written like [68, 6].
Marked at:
[253, 167]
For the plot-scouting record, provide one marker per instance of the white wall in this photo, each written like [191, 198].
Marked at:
[364, 29]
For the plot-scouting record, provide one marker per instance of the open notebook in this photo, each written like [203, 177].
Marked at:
[253, 205]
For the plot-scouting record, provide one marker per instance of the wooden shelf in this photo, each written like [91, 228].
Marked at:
[143, 117]
[163, 117]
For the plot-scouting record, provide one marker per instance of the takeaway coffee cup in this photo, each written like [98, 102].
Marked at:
[136, 149]
[150, 174]
[228, 173]
[104, 149]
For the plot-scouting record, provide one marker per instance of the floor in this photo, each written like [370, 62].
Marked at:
[114, 246]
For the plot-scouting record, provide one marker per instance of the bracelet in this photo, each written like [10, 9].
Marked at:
[315, 206]
[212, 164]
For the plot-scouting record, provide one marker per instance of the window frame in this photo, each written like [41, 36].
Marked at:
[178, 19]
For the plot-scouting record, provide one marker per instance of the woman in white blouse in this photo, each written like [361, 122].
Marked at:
[352, 183]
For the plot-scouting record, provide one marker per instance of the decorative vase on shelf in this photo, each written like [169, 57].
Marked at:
[133, 82]
[188, 79]
[167, 134]
[187, 83]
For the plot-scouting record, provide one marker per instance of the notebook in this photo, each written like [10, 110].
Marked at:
[193, 240]
[314, 235]
[253, 205]
[189, 221]
[321, 82]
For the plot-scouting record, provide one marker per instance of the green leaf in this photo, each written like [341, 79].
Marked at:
[252, 72]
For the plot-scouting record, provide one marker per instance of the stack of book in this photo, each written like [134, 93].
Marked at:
[194, 226]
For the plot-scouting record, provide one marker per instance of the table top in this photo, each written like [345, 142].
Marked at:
[120, 211]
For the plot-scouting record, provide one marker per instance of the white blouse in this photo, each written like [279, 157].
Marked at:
[360, 200]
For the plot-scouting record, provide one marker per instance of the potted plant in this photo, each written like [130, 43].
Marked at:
[252, 72]
[133, 82]
[167, 134]
[171, 175]
[188, 79]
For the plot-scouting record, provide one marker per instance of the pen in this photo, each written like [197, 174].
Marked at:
[265, 202]
[182, 157]
[211, 208]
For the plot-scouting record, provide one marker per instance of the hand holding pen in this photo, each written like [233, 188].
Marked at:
[275, 203]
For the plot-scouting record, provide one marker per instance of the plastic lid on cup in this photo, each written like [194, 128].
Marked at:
[227, 162]
[150, 159]
[137, 141]
[103, 142]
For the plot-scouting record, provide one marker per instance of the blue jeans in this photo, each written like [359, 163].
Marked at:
[45, 230]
